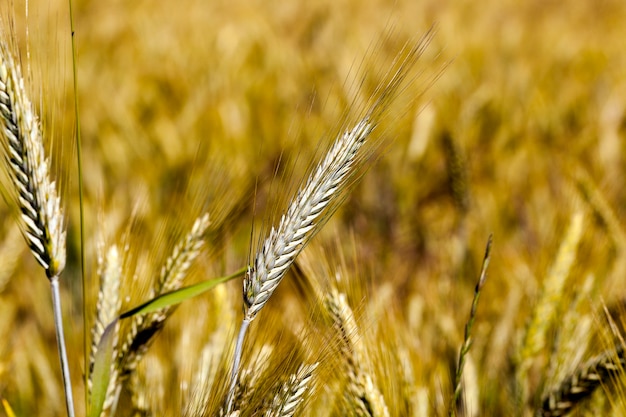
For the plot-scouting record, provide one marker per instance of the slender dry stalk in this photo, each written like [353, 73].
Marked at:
[362, 394]
[108, 307]
[467, 340]
[144, 327]
[35, 193]
[580, 385]
[292, 393]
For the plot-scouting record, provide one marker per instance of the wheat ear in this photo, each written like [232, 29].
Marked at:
[362, 394]
[43, 224]
[580, 385]
[144, 327]
[545, 312]
[108, 307]
[292, 393]
[296, 227]
[315, 202]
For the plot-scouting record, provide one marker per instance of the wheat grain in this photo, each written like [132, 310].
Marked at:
[302, 219]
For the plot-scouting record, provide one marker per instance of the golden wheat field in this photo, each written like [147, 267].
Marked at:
[200, 122]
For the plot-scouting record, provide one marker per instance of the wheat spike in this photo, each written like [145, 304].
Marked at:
[362, 394]
[27, 166]
[108, 307]
[144, 327]
[583, 383]
[544, 313]
[314, 203]
[291, 395]
[302, 219]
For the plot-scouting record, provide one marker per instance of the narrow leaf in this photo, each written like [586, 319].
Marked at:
[101, 373]
[176, 297]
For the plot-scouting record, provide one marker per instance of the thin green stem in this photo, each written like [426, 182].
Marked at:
[79, 161]
[467, 341]
[58, 325]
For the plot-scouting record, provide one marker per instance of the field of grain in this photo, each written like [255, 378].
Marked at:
[512, 122]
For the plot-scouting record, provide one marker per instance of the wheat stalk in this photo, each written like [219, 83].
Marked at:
[144, 327]
[302, 220]
[42, 223]
[580, 385]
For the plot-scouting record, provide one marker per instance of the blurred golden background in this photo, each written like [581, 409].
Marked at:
[219, 106]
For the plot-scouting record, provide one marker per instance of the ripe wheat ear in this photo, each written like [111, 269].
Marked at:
[316, 201]
[35, 194]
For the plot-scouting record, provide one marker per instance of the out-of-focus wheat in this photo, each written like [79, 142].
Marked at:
[144, 327]
[107, 310]
[582, 383]
[362, 394]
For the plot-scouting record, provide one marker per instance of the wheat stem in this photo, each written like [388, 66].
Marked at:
[234, 376]
[58, 323]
